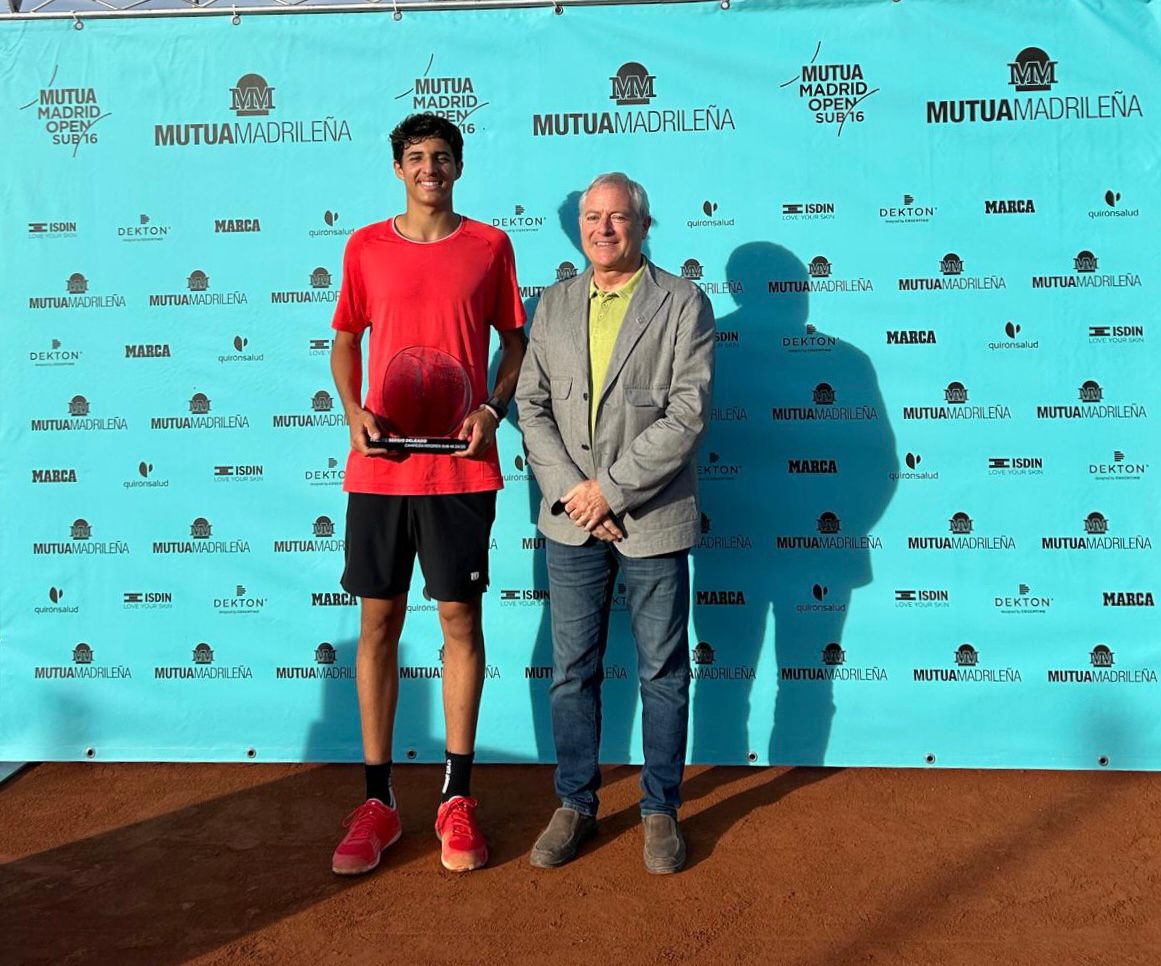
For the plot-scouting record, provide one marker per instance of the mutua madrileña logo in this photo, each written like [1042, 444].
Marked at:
[1085, 274]
[77, 296]
[203, 668]
[322, 539]
[1032, 77]
[1092, 406]
[252, 101]
[956, 406]
[966, 670]
[324, 668]
[82, 668]
[829, 536]
[69, 113]
[79, 419]
[1102, 670]
[320, 291]
[201, 417]
[825, 399]
[632, 91]
[197, 294]
[951, 278]
[706, 667]
[200, 541]
[961, 535]
[321, 413]
[692, 271]
[820, 278]
[80, 543]
[1096, 536]
[833, 93]
[832, 666]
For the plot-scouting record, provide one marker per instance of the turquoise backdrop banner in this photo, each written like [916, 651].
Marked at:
[929, 231]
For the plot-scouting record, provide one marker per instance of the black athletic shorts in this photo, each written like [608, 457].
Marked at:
[450, 533]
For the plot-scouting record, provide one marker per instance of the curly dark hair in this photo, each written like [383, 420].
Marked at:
[419, 127]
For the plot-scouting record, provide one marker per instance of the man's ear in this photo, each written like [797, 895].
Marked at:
[645, 223]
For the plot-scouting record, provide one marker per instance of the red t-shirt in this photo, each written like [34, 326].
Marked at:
[438, 297]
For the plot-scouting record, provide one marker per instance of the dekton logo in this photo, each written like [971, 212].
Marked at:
[923, 598]
[951, 278]
[1012, 331]
[81, 543]
[1112, 208]
[56, 596]
[1115, 334]
[203, 668]
[956, 397]
[82, 668]
[331, 474]
[716, 471]
[1118, 469]
[69, 114]
[1032, 74]
[1127, 598]
[241, 344]
[1084, 266]
[232, 226]
[523, 597]
[833, 93]
[148, 350]
[711, 541]
[320, 291]
[820, 271]
[52, 229]
[1009, 206]
[912, 462]
[819, 603]
[200, 417]
[451, 96]
[197, 294]
[1015, 466]
[147, 600]
[518, 221]
[321, 415]
[1102, 671]
[200, 542]
[832, 666]
[324, 668]
[1092, 406]
[1097, 537]
[323, 539]
[331, 220]
[961, 535]
[144, 230]
[824, 396]
[829, 536]
[252, 101]
[1024, 602]
[710, 210]
[810, 342]
[632, 90]
[706, 667]
[967, 670]
[241, 601]
[77, 296]
[908, 213]
[808, 211]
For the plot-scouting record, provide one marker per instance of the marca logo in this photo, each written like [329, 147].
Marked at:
[333, 599]
[911, 337]
[151, 350]
[565, 271]
[721, 598]
[1127, 598]
[824, 466]
[54, 476]
[1010, 206]
[231, 226]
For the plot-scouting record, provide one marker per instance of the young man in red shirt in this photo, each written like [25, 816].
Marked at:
[433, 282]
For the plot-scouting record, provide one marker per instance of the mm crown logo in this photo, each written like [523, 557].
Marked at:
[253, 97]
[703, 653]
[1095, 523]
[960, 523]
[967, 656]
[1091, 392]
[80, 530]
[823, 394]
[324, 527]
[198, 281]
[956, 393]
[321, 402]
[203, 654]
[951, 264]
[833, 655]
[565, 271]
[828, 522]
[82, 654]
[1032, 70]
[1085, 261]
[691, 269]
[320, 278]
[324, 653]
[199, 404]
[819, 267]
[77, 284]
[78, 406]
[1101, 656]
[632, 85]
[201, 529]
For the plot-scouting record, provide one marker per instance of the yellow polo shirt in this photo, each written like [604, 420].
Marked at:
[606, 313]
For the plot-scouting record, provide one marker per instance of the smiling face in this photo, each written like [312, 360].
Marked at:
[429, 171]
[611, 231]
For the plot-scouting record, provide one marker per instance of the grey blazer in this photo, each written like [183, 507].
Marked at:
[652, 410]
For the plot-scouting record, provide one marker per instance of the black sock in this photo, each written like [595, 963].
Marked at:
[379, 783]
[457, 775]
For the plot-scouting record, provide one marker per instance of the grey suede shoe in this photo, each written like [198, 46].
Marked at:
[664, 846]
[559, 842]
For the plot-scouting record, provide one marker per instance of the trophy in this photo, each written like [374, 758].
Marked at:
[426, 397]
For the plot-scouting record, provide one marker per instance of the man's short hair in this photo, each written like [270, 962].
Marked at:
[637, 196]
[419, 127]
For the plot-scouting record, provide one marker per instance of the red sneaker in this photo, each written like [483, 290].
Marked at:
[373, 826]
[464, 847]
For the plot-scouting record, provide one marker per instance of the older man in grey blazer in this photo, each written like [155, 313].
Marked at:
[614, 398]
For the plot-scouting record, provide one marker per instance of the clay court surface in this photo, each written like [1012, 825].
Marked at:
[156, 864]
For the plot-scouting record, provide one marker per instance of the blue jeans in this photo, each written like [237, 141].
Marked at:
[581, 581]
